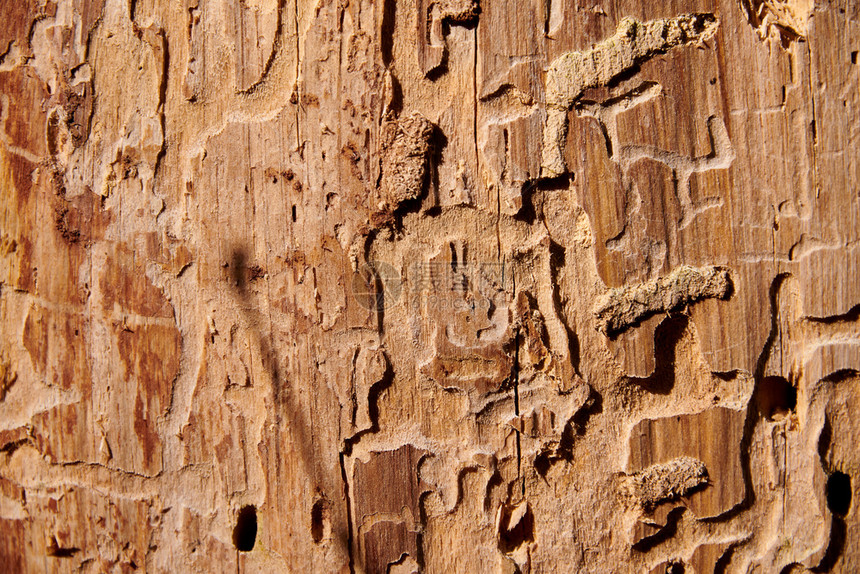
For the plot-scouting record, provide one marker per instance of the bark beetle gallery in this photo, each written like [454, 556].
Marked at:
[429, 285]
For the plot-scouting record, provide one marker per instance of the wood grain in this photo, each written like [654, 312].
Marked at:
[429, 285]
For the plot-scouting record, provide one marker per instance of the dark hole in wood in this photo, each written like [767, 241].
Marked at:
[55, 550]
[777, 397]
[245, 532]
[294, 214]
[512, 536]
[237, 267]
[839, 493]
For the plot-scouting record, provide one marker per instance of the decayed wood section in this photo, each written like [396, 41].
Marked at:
[429, 285]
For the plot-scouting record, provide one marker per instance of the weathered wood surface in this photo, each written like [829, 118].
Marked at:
[389, 286]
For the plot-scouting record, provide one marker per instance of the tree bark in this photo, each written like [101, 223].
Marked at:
[428, 285]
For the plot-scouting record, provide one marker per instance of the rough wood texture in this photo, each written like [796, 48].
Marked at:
[429, 285]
